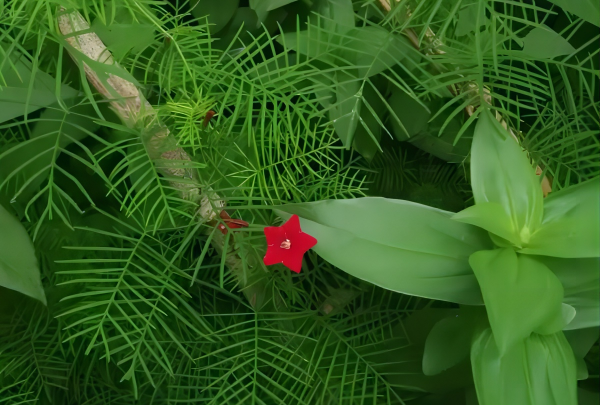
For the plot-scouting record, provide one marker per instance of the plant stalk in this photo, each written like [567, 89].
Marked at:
[136, 112]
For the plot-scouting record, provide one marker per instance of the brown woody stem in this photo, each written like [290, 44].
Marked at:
[136, 112]
[468, 87]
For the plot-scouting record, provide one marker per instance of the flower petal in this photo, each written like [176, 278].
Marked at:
[293, 260]
[298, 243]
[274, 255]
[292, 226]
[303, 242]
[275, 235]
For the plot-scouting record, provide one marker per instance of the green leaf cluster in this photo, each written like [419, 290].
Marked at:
[418, 250]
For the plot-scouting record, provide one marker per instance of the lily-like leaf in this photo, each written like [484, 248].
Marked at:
[373, 49]
[545, 43]
[19, 269]
[501, 174]
[490, 216]
[521, 295]
[218, 13]
[449, 341]
[335, 15]
[570, 225]
[398, 245]
[262, 7]
[540, 370]
[345, 114]
[588, 10]
[581, 341]
[24, 89]
[581, 281]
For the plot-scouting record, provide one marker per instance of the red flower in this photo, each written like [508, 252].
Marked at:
[287, 244]
[230, 223]
[207, 117]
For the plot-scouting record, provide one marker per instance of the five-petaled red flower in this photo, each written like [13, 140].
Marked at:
[287, 244]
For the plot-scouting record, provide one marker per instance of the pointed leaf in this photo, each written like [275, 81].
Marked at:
[327, 27]
[368, 133]
[490, 216]
[139, 36]
[588, 10]
[16, 96]
[448, 343]
[501, 173]
[581, 281]
[570, 223]
[398, 245]
[539, 371]
[374, 49]
[336, 15]
[412, 123]
[345, 114]
[19, 269]
[521, 295]
[545, 43]
[468, 19]
[581, 341]
[218, 13]
[262, 7]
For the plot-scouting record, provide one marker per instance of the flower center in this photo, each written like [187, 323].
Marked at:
[286, 244]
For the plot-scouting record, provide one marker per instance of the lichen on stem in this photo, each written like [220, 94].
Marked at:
[136, 112]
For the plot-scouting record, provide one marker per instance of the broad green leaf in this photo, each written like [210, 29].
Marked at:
[545, 43]
[521, 295]
[588, 10]
[581, 341]
[568, 314]
[398, 245]
[569, 226]
[32, 159]
[345, 114]
[326, 30]
[269, 4]
[314, 43]
[448, 343]
[16, 97]
[368, 131]
[262, 7]
[501, 173]
[490, 216]
[406, 367]
[335, 15]
[467, 19]
[363, 51]
[139, 37]
[19, 269]
[242, 26]
[219, 12]
[15, 101]
[413, 117]
[540, 370]
[412, 123]
[374, 49]
[581, 281]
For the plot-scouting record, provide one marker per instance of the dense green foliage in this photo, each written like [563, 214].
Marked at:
[314, 100]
